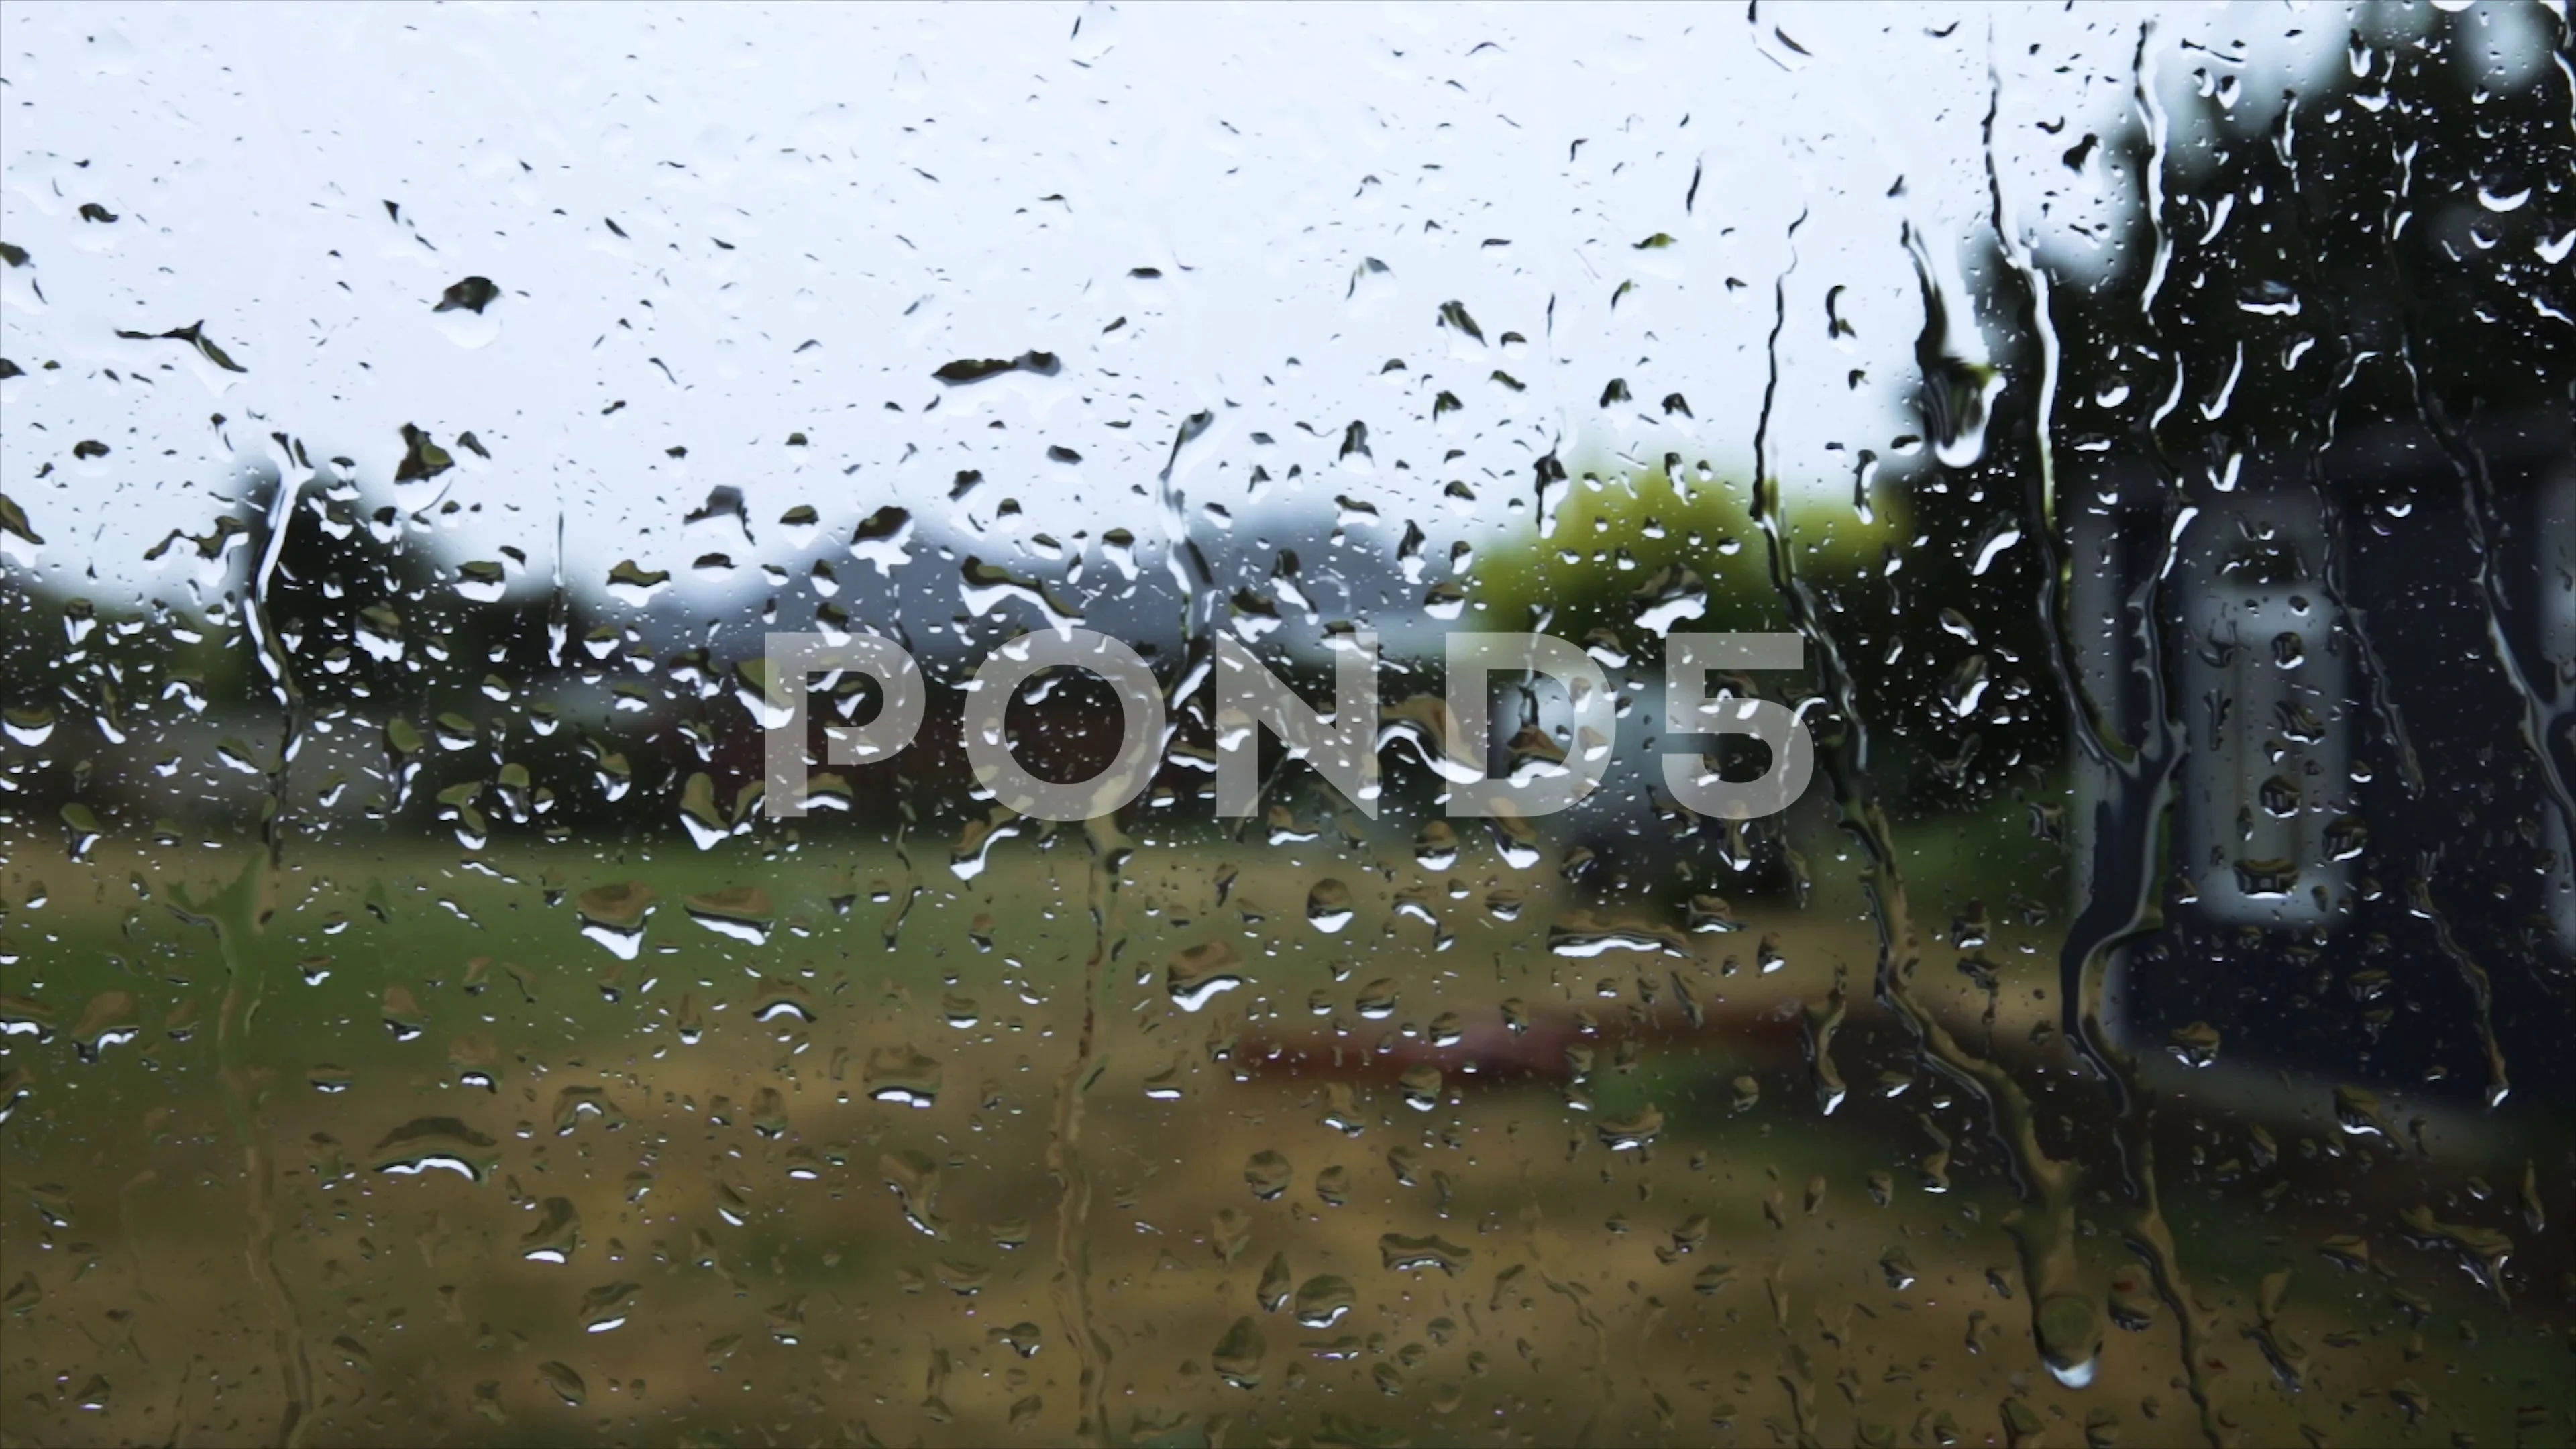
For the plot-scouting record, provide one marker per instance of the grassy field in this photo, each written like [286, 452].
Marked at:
[845, 1148]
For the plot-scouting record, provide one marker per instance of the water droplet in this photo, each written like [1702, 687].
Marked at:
[741, 912]
[775, 998]
[2359, 1113]
[577, 1101]
[901, 1075]
[1272, 1291]
[2069, 1328]
[427, 1143]
[1401, 1254]
[608, 1306]
[614, 916]
[1237, 1356]
[1202, 971]
[1322, 1300]
[30, 726]
[1267, 1174]
[111, 1019]
[1633, 1131]
[556, 1235]
[2196, 1045]
[1328, 906]
[567, 1384]
[1376, 1000]
[1333, 1186]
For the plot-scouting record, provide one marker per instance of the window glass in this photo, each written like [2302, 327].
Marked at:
[1189, 725]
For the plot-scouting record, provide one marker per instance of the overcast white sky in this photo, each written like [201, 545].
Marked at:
[820, 207]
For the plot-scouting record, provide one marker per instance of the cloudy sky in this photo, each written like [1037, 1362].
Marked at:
[712, 228]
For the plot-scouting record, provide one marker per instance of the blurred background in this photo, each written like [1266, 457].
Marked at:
[416, 1026]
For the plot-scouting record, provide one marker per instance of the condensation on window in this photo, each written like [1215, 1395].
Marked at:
[463, 978]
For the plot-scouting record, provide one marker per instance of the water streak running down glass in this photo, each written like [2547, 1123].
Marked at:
[1405, 488]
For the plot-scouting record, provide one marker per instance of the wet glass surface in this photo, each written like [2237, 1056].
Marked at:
[425, 1017]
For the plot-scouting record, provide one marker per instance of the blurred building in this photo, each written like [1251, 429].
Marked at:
[2365, 837]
